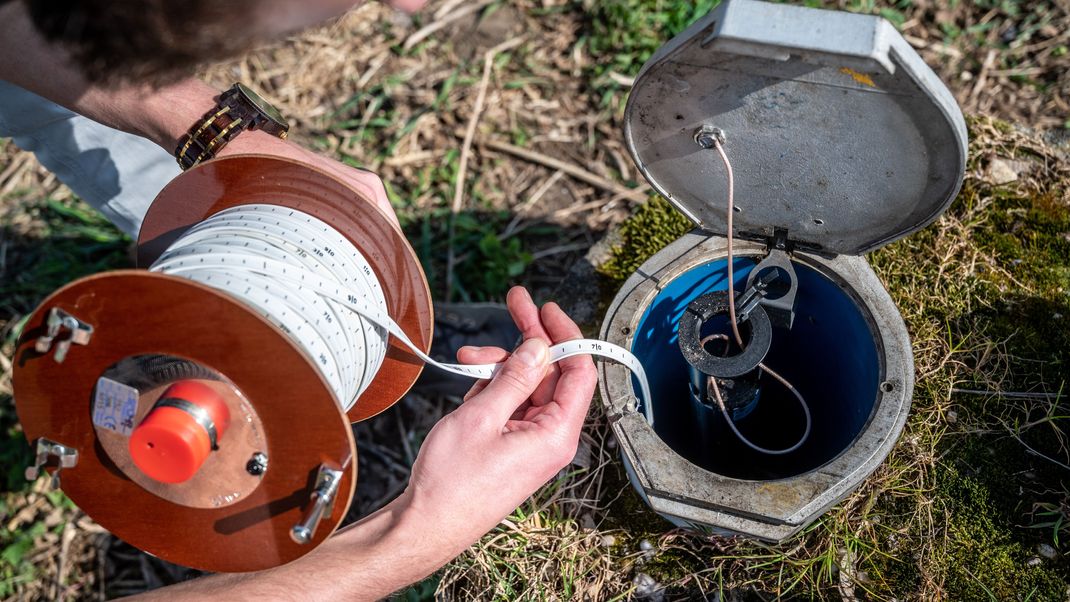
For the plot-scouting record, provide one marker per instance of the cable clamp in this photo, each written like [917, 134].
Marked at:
[66, 457]
[58, 321]
[775, 277]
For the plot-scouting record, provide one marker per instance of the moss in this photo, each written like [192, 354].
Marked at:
[955, 504]
[1031, 233]
[653, 226]
[983, 558]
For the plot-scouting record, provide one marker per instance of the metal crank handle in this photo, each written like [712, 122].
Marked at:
[323, 495]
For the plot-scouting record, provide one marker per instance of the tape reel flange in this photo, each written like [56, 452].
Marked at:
[250, 179]
[136, 312]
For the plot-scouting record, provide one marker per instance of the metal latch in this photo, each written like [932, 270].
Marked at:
[66, 457]
[775, 279]
[58, 320]
[323, 495]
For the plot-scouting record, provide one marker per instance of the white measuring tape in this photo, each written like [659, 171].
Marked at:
[307, 279]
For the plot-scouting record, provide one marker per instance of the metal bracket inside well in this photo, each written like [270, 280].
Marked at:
[779, 297]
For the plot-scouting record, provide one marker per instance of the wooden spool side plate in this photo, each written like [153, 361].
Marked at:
[135, 312]
[246, 179]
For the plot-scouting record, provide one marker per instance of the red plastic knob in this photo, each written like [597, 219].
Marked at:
[171, 444]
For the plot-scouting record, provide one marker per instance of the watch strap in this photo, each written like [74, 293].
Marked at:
[230, 117]
[219, 126]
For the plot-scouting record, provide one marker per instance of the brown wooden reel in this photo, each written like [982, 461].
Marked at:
[245, 179]
[135, 313]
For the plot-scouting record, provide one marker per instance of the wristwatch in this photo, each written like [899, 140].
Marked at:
[238, 109]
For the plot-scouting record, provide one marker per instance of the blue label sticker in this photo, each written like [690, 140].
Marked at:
[115, 406]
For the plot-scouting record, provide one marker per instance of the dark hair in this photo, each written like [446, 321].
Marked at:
[148, 41]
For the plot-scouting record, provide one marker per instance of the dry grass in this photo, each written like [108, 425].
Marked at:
[399, 97]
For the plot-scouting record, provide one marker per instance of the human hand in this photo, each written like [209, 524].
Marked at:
[510, 436]
[365, 182]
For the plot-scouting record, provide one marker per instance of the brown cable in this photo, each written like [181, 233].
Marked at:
[735, 327]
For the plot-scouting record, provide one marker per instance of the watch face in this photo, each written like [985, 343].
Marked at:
[265, 107]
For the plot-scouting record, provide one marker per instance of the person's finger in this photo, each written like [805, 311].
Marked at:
[512, 385]
[476, 389]
[561, 328]
[526, 315]
[575, 389]
[409, 6]
[480, 355]
[575, 385]
[372, 186]
[521, 412]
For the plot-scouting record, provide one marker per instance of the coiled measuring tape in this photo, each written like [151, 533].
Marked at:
[307, 279]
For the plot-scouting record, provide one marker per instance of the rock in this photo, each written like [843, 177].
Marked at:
[609, 541]
[1005, 171]
[647, 588]
[587, 521]
[647, 551]
[1032, 562]
[1047, 551]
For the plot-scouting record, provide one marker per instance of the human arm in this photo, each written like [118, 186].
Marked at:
[510, 436]
[161, 114]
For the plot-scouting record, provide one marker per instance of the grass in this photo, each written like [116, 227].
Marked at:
[48, 242]
[979, 481]
[962, 507]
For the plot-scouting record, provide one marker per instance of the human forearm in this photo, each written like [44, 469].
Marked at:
[161, 114]
[366, 561]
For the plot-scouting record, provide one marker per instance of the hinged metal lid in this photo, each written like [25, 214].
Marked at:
[837, 130]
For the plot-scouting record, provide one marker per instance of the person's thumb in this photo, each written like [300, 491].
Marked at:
[515, 381]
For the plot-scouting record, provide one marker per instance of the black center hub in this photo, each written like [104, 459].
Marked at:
[702, 310]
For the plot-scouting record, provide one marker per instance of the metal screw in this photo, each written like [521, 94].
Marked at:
[257, 465]
[707, 135]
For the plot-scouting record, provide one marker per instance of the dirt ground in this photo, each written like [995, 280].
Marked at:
[507, 116]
